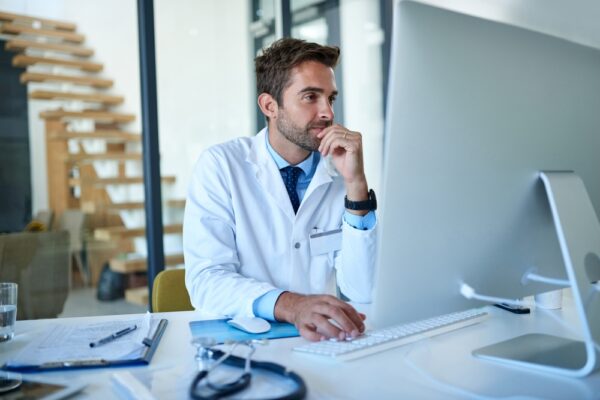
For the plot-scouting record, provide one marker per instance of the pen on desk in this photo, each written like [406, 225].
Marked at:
[114, 336]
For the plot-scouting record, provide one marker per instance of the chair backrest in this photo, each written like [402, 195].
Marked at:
[73, 221]
[45, 217]
[39, 262]
[169, 292]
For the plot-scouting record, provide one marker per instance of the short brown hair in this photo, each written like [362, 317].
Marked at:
[273, 66]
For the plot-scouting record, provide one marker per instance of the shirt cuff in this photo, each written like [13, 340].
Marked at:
[264, 306]
[364, 223]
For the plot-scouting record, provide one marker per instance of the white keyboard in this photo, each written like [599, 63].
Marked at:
[382, 339]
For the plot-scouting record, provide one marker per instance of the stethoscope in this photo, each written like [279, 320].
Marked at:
[209, 359]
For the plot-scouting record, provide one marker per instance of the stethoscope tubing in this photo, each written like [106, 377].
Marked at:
[244, 380]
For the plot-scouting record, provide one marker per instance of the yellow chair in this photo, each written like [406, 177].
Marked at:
[169, 292]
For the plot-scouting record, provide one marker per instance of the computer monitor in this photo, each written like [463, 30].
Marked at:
[477, 108]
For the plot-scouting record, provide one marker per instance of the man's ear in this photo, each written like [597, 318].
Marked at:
[268, 105]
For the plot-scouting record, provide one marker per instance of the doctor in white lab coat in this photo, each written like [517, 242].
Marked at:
[247, 250]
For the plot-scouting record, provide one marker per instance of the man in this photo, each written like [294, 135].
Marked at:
[267, 229]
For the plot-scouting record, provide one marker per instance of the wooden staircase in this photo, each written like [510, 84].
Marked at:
[53, 53]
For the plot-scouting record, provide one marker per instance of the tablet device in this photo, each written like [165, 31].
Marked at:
[14, 386]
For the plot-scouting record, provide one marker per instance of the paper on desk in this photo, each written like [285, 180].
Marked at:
[64, 342]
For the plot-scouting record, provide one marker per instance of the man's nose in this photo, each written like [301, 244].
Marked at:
[326, 111]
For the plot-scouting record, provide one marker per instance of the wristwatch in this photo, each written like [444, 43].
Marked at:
[365, 205]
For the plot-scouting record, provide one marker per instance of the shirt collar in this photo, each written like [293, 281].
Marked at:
[307, 166]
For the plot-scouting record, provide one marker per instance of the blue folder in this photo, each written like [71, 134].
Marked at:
[221, 331]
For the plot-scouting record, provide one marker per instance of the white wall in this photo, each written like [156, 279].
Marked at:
[361, 40]
[205, 79]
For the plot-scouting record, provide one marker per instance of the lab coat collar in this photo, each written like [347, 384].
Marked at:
[269, 176]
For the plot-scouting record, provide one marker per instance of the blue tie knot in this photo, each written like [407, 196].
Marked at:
[290, 177]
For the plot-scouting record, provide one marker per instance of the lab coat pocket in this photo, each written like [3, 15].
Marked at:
[325, 243]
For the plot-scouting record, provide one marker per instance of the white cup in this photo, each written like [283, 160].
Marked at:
[549, 300]
[8, 310]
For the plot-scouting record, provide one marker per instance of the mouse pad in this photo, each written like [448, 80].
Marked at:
[221, 331]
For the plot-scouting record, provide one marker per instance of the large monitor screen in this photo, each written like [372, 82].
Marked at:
[476, 109]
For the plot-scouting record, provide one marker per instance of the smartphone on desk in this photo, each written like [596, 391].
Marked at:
[14, 386]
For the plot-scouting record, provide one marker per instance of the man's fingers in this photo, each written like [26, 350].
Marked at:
[309, 332]
[329, 135]
[327, 141]
[356, 317]
[330, 128]
[340, 317]
[326, 328]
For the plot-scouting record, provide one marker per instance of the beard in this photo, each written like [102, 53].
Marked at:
[300, 136]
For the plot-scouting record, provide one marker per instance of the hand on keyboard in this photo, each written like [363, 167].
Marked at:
[312, 315]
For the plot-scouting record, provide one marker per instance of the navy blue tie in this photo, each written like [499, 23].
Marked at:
[290, 179]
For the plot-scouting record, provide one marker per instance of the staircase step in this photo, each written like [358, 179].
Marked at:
[15, 29]
[137, 296]
[47, 23]
[87, 97]
[96, 115]
[89, 157]
[118, 181]
[176, 203]
[27, 77]
[92, 207]
[108, 135]
[24, 60]
[22, 45]
[139, 264]
[121, 232]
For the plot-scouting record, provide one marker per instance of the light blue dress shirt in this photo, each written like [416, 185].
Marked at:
[264, 306]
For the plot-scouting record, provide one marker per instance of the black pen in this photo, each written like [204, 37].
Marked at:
[113, 336]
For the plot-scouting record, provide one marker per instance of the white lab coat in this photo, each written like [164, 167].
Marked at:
[242, 239]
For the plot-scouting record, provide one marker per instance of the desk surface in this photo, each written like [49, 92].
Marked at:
[439, 367]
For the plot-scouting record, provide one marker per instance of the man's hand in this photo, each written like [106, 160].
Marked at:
[346, 151]
[311, 315]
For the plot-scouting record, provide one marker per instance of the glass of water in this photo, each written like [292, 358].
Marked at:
[8, 310]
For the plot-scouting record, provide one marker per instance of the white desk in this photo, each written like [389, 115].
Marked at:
[412, 372]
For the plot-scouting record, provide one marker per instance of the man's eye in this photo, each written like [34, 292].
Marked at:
[332, 100]
[310, 97]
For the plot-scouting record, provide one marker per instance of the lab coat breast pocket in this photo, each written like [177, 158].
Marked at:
[326, 243]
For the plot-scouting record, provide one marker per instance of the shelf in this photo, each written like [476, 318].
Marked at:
[27, 77]
[95, 115]
[118, 181]
[50, 23]
[87, 97]
[22, 45]
[27, 30]
[92, 207]
[89, 157]
[137, 296]
[108, 135]
[23, 60]
[139, 264]
[121, 232]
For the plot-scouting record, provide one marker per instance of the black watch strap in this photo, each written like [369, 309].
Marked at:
[365, 205]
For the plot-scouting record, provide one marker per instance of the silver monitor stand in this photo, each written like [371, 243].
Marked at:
[578, 233]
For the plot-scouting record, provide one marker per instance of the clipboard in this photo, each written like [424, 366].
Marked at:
[141, 354]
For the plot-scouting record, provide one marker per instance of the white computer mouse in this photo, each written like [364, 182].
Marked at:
[250, 324]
